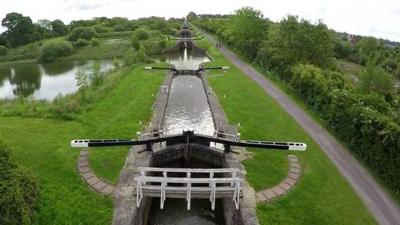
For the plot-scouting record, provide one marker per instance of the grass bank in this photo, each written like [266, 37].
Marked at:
[112, 45]
[43, 146]
[322, 195]
[123, 112]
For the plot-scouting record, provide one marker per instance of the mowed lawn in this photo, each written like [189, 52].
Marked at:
[322, 195]
[123, 112]
[43, 146]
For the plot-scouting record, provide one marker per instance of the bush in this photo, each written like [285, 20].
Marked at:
[118, 28]
[81, 42]
[86, 33]
[154, 47]
[141, 34]
[94, 41]
[3, 50]
[101, 29]
[55, 49]
[19, 191]
[138, 36]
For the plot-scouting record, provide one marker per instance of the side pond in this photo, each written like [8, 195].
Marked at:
[44, 81]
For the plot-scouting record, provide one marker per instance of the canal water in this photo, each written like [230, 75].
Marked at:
[43, 81]
[187, 109]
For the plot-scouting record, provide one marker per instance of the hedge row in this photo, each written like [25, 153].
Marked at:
[374, 137]
[362, 121]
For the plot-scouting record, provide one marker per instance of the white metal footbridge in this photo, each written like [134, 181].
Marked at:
[189, 183]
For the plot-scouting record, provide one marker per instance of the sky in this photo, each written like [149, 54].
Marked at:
[379, 18]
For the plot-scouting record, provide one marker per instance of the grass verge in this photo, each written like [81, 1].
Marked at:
[124, 111]
[322, 195]
[43, 146]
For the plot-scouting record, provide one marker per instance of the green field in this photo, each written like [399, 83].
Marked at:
[112, 45]
[322, 195]
[43, 146]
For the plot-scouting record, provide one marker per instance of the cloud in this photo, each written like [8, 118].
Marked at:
[89, 6]
[74, 5]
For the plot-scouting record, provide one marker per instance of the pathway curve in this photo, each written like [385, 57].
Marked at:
[95, 183]
[380, 204]
[285, 186]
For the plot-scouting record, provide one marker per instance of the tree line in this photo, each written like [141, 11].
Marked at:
[305, 56]
[21, 31]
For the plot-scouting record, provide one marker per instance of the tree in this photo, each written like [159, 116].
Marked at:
[191, 16]
[55, 49]
[86, 33]
[58, 27]
[293, 41]
[3, 50]
[20, 29]
[367, 45]
[45, 23]
[342, 48]
[248, 29]
[375, 79]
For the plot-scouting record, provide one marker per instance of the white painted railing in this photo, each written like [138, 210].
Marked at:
[228, 185]
[235, 137]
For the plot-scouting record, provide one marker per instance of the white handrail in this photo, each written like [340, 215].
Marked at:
[162, 184]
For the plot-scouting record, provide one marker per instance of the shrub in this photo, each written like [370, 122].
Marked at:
[141, 34]
[19, 191]
[154, 47]
[3, 50]
[94, 41]
[55, 49]
[86, 33]
[130, 58]
[119, 28]
[138, 36]
[81, 42]
[101, 29]
[376, 79]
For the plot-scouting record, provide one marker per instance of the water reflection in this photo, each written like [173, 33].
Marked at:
[188, 107]
[186, 61]
[25, 80]
[55, 69]
[175, 213]
[42, 81]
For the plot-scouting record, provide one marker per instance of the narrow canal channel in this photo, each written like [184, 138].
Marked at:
[187, 109]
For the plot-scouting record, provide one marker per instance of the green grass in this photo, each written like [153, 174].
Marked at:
[43, 146]
[108, 48]
[107, 163]
[322, 195]
[350, 70]
[118, 115]
[113, 46]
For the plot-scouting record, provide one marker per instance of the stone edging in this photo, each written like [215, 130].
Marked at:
[285, 186]
[94, 182]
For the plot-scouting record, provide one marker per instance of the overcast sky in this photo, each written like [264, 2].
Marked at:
[380, 18]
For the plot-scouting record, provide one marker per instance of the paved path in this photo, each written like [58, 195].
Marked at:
[285, 186]
[380, 204]
[95, 183]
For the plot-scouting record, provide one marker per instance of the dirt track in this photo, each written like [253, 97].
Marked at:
[380, 204]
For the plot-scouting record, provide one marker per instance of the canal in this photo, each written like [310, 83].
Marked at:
[187, 109]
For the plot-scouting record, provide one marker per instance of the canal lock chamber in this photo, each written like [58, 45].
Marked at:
[188, 108]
